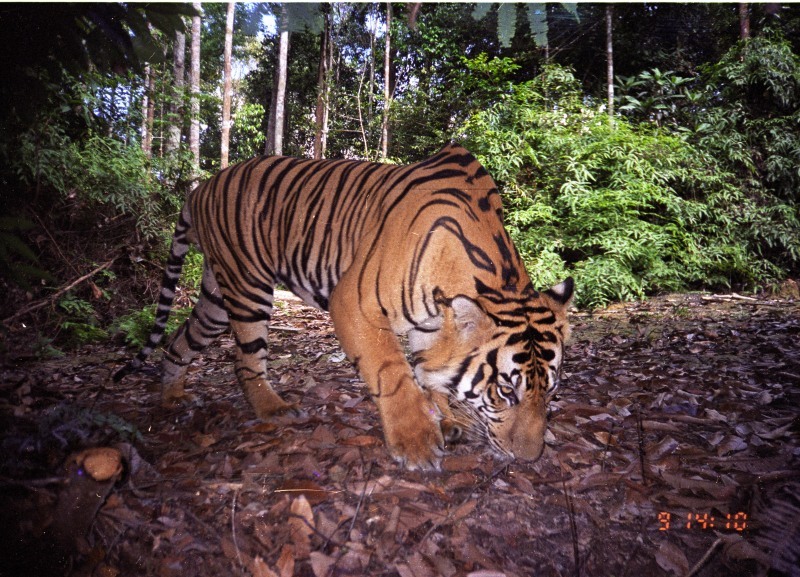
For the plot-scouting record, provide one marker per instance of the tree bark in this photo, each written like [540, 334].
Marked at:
[275, 128]
[176, 106]
[147, 112]
[227, 87]
[744, 20]
[387, 69]
[321, 114]
[194, 88]
[610, 60]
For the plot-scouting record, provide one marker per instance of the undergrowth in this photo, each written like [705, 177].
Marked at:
[628, 209]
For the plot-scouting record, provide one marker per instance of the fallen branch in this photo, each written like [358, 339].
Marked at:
[730, 297]
[44, 302]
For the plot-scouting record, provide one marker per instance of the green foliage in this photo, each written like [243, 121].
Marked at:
[247, 137]
[100, 172]
[628, 210]
[192, 273]
[137, 325]
[82, 325]
[106, 172]
[751, 114]
[654, 96]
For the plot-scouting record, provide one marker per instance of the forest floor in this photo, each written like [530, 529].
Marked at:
[680, 407]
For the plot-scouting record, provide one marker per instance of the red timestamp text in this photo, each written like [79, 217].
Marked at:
[702, 521]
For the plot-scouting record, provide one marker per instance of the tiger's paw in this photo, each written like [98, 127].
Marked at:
[173, 395]
[267, 403]
[416, 442]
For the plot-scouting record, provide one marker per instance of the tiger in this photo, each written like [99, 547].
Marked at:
[415, 253]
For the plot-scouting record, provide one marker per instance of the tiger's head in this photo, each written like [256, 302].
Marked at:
[498, 361]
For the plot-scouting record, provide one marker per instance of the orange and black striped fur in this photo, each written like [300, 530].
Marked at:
[416, 250]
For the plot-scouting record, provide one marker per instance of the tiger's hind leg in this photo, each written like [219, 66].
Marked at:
[207, 321]
[251, 365]
[250, 314]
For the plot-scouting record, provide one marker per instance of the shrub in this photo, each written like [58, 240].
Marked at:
[137, 325]
[629, 210]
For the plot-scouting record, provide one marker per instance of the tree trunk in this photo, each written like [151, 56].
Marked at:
[275, 131]
[227, 86]
[321, 114]
[371, 89]
[176, 106]
[147, 119]
[610, 60]
[194, 88]
[269, 145]
[744, 20]
[387, 69]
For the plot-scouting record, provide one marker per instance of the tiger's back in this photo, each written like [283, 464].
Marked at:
[303, 222]
[389, 250]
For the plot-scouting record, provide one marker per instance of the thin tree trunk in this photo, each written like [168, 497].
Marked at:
[269, 145]
[387, 68]
[371, 90]
[194, 88]
[360, 114]
[151, 113]
[610, 60]
[321, 113]
[275, 142]
[176, 106]
[226, 89]
[744, 20]
[146, 98]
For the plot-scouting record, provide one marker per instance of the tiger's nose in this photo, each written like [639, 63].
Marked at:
[527, 440]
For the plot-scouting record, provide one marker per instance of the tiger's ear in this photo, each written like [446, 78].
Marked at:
[459, 319]
[467, 315]
[563, 292]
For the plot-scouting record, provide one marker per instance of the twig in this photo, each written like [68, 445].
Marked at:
[285, 329]
[361, 498]
[640, 433]
[705, 558]
[233, 531]
[46, 482]
[58, 293]
[55, 244]
[573, 529]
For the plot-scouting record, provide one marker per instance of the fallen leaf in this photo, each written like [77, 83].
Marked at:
[286, 561]
[259, 568]
[301, 522]
[362, 441]
[321, 564]
[670, 558]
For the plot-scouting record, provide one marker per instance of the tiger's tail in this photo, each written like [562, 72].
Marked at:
[172, 272]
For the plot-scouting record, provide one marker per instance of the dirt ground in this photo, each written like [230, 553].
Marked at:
[673, 449]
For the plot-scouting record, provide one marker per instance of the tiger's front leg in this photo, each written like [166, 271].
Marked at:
[410, 419]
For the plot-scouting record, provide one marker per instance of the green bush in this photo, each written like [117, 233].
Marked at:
[137, 325]
[751, 114]
[629, 210]
[81, 324]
